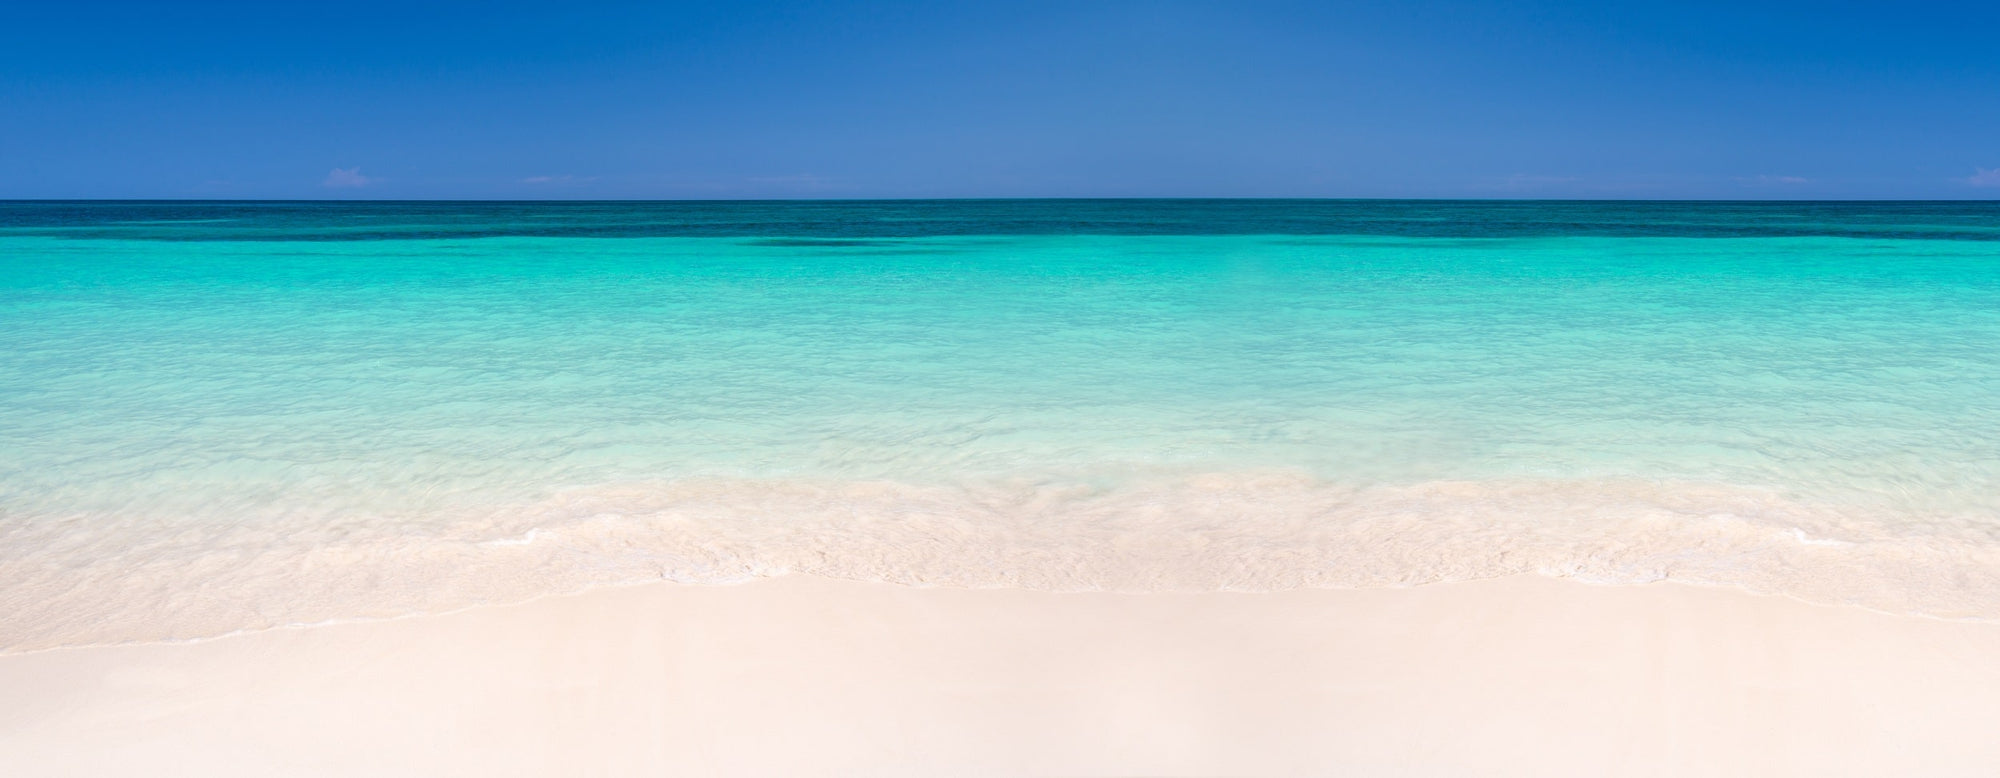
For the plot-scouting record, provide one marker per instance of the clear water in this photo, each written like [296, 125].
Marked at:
[219, 416]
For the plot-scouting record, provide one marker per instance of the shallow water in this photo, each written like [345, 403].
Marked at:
[227, 416]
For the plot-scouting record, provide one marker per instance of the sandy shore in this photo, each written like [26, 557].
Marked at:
[807, 676]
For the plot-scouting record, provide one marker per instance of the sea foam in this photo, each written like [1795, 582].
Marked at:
[1217, 531]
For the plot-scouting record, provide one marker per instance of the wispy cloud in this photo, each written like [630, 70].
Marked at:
[1984, 177]
[563, 180]
[1769, 180]
[346, 178]
[1523, 182]
[799, 181]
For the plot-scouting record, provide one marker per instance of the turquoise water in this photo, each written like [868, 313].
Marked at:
[222, 416]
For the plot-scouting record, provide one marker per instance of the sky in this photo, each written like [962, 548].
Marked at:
[583, 100]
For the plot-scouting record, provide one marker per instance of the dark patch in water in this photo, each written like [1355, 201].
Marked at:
[817, 243]
[861, 224]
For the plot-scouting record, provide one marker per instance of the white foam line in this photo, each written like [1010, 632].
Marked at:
[531, 536]
[1804, 539]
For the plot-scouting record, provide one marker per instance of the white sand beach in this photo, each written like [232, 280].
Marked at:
[809, 676]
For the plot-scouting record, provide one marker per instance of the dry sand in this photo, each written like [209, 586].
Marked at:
[807, 676]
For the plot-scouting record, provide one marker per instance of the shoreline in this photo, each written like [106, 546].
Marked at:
[1240, 531]
[1497, 676]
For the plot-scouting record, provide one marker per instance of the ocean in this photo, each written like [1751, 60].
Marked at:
[220, 416]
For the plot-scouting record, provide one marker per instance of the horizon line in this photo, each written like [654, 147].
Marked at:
[1141, 198]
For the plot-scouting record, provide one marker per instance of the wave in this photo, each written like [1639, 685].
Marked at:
[100, 579]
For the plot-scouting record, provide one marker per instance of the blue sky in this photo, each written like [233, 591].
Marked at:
[927, 99]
